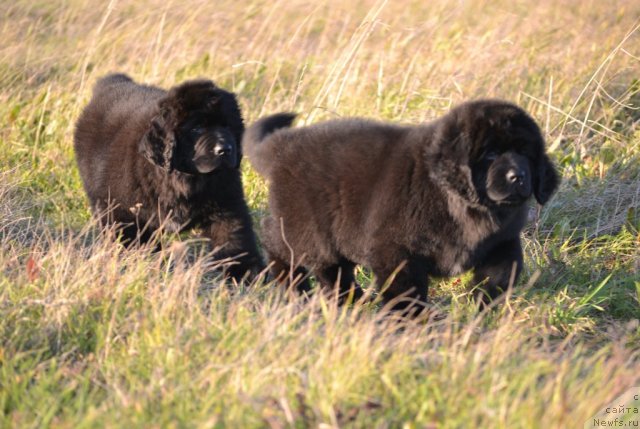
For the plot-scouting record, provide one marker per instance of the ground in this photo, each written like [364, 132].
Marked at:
[92, 335]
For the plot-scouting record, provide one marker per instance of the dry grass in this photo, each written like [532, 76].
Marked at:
[92, 335]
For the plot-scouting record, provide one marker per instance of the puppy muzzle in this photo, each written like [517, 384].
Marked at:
[519, 182]
[221, 152]
[226, 153]
[509, 184]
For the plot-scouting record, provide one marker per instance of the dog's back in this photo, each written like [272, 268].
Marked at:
[109, 128]
[326, 146]
[115, 100]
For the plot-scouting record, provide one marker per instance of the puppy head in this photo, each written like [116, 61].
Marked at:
[197, 130]
[491, 152]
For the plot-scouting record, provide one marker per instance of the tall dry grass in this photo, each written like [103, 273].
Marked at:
[93, 335]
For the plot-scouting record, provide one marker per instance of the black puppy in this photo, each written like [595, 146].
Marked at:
[408, 202]
[167, 158]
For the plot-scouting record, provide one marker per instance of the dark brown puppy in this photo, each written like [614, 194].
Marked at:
[167, 158]
[430, 200]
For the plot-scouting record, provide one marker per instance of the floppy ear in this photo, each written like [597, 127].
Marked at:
[226, 105]
[158, 143]
[448, 157]
[456, 177]
[545, 180]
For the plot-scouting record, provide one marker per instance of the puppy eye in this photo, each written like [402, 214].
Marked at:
[196, 130]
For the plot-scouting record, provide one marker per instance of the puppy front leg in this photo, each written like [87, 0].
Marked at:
[497, 271]
[231, 233]
[131, 235]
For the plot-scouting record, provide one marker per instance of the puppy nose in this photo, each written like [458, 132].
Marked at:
[222, 149]
[515, 175]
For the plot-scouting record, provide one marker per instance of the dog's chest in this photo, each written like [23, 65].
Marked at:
[160, 215]
[469, 240]
[452, 259]
[184, 213]
[182, 207]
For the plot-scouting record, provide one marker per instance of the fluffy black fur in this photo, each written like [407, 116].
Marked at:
[407, 201]
[167, 158]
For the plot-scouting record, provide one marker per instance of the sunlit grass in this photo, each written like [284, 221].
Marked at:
[94, 335]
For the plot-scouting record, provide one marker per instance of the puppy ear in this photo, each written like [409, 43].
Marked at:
[448, 155]
[158, 143]
[456, 178]
[545, 180]
[226, 105]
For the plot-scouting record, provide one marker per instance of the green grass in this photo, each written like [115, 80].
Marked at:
[92, 335]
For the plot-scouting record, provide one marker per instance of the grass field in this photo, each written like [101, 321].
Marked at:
[92, 335]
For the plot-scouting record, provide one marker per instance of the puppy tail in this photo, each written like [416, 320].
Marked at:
[253, 143]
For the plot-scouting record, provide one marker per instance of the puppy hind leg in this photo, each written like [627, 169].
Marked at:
[340, 275]
[281, 260]
[282, 273]
[404, 286]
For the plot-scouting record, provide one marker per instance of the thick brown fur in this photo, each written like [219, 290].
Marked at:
[167, 158]
[409, 202]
